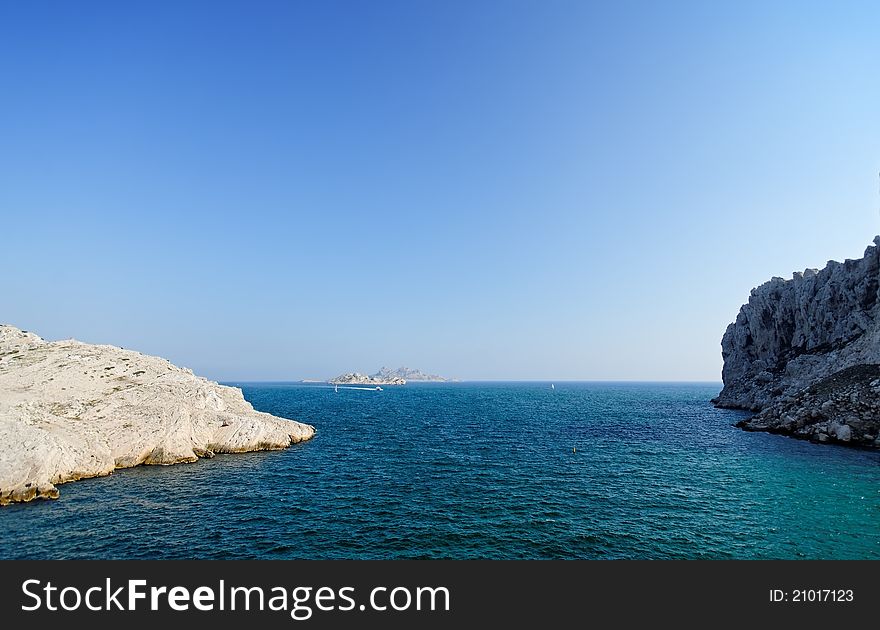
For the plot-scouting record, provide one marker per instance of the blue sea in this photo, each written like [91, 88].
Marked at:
[479, 470]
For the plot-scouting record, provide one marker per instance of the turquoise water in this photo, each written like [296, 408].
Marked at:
[479, 470]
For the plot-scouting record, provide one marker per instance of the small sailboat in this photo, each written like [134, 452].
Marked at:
[336, 387]
[552, 386]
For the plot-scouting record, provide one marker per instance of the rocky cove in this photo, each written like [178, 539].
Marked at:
[71, 410]
[804, 354]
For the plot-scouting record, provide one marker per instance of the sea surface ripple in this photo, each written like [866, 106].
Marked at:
[479, 470]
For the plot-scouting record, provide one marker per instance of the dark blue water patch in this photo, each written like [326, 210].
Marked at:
[479, 470]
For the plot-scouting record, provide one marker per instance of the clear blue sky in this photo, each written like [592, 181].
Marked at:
[514, 190]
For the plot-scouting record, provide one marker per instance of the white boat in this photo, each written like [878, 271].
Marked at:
[552, 386]
[378, 389]
[336, 388]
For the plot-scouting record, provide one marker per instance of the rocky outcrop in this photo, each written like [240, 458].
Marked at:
[794, 334]
[356, 378]
[71, 410]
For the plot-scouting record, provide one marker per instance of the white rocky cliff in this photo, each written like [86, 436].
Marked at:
[801, 333]
[71, 410]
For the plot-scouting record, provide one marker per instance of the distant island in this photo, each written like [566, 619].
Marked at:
[356, 378]
[387, 376]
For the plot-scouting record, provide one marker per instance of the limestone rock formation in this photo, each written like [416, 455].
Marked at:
[70, 410]
[794, 334]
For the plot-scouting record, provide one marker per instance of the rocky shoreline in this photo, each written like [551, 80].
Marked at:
[843, 408]
[71, 410]
[804, 354]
